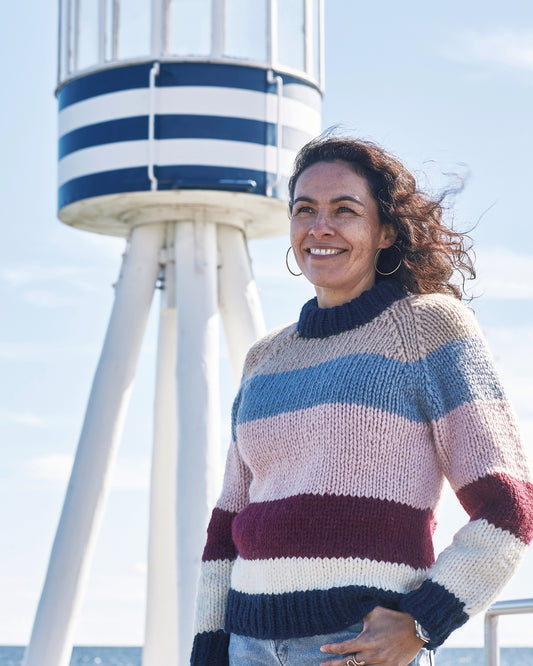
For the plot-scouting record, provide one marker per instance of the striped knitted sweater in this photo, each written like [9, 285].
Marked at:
[344, 428]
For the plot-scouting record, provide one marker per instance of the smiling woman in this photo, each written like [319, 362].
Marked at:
[345, 426]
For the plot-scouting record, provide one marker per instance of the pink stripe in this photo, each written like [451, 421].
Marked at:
[488, 441]
[333, 526]
[298, 453]
[505, 502]
[219, 545]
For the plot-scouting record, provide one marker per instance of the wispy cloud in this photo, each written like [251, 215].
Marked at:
[503, 273]
[508, 47]
[128, 474]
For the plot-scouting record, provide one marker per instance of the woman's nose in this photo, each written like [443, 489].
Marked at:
[321, 226]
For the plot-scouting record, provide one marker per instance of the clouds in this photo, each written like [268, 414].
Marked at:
[503, 47]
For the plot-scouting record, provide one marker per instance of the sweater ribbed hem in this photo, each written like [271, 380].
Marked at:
[297, 614]
[437, 610]
[316, 322]
[210, 648]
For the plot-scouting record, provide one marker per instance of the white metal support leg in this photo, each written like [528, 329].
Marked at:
[238, 297]
[52, 636]
[161, 636]
[198, 407]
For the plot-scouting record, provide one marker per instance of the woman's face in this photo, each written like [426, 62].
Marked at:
[336, 232]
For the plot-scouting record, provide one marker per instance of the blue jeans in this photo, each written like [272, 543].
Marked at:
[245, 651]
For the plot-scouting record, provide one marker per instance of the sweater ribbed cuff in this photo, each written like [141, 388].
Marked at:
[210, 648]
[437, 610]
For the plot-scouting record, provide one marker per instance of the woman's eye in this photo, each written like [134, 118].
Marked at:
[303, 209]
[345, 209]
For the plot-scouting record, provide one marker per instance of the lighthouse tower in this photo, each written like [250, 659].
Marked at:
[178, 124]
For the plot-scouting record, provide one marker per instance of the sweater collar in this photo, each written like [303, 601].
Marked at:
[318, 322]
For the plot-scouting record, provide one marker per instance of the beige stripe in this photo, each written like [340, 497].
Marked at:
[300, 574]
[410, 329]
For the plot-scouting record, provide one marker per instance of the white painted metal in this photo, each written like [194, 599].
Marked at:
[218, 28]
[322, 73]
[52, 636]
[277, 79]
[309, 36]
[154, 71]
[508, 607]
[101, 31]
[238, 297]
[273, 33]
[158, 29]
[161, 635]
[198, 407]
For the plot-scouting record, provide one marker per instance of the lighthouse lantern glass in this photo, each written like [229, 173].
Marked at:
[291, 33]
[246, 29]
[134, 20]
[87, 43]
[190, 27]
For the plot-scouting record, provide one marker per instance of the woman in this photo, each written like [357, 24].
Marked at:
[345, 426]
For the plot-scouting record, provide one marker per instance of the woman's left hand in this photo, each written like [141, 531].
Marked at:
[388, 639]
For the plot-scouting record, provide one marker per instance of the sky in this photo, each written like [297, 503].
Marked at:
[446, 86]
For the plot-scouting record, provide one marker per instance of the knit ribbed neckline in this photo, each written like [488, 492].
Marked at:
[316, 322]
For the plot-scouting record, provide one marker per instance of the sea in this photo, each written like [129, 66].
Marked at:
[132, 656]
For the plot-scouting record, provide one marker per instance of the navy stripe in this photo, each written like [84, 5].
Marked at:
[134, 179]
[171, 177]
[177, 74]
[180, 127]
[295, 614]
[125, 129]
[459, 372]
[210, 647]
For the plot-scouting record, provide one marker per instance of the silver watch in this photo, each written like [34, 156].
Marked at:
[421, 633]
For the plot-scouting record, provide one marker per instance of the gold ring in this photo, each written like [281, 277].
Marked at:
[353, 662]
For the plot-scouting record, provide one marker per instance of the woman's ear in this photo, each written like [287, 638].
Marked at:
[389, 236]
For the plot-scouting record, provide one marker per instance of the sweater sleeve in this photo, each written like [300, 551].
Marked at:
[211, 642]
[479, 449]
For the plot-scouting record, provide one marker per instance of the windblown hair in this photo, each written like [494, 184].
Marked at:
[430, 251]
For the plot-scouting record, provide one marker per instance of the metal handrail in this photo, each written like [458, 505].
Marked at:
[508, 607]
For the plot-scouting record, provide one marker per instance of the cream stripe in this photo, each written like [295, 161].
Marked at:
[212, 593]
[204, 152]
[193, 100]
[477, 566]
[299, 574]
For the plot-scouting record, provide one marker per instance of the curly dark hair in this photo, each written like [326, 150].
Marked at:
[429, 250]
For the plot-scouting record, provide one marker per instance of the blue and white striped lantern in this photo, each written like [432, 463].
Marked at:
[153, 127]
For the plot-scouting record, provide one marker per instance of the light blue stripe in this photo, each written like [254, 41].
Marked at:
[458, 372]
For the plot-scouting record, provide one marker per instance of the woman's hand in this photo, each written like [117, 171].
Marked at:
[388, 639]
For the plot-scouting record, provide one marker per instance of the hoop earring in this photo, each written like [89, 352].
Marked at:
[394, 269]
[287, 263]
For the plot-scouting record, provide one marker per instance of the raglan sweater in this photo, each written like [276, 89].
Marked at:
[344, 429]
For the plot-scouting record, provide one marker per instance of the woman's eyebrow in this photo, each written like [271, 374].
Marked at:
[344, 197]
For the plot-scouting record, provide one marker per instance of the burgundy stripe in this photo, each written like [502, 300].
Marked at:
[335, 526]
[504, 501]
[219, 545]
